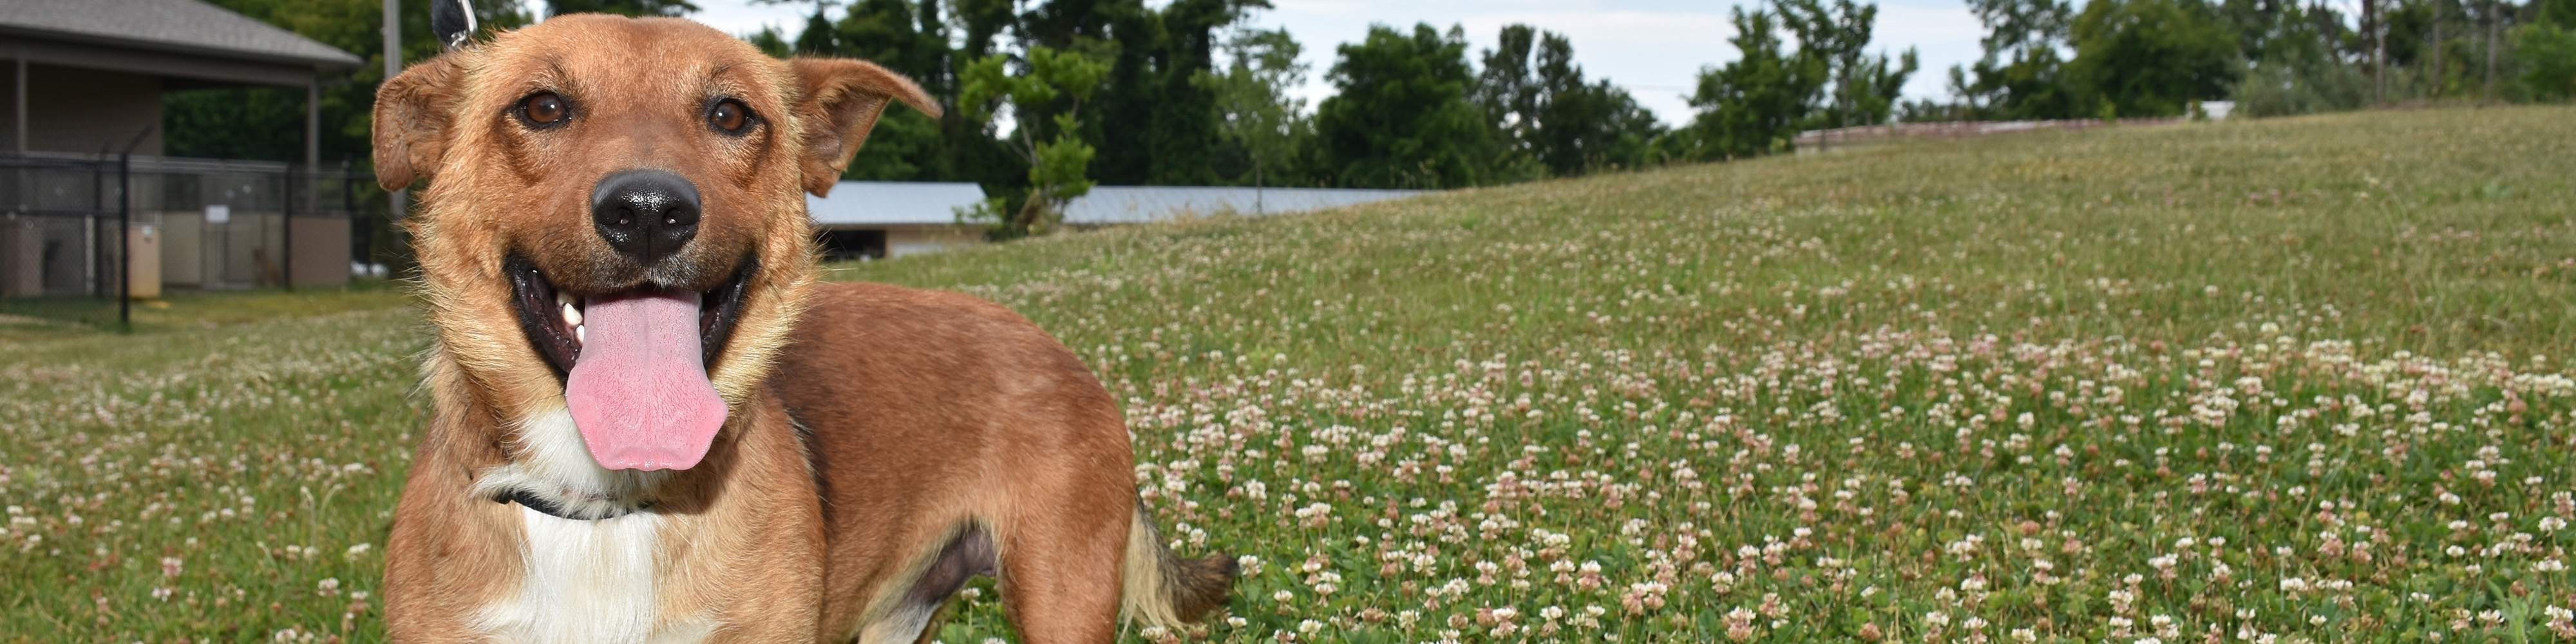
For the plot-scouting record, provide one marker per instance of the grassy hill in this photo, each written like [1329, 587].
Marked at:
[2300, 378]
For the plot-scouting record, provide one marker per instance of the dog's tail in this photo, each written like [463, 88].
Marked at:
[1161, 589]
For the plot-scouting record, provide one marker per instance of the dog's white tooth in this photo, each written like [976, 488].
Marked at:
[571, 316]
[561, 298]
[581, 334]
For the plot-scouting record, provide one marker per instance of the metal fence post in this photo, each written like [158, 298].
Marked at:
[286, 239]
[125, 239]
[98, 206]
[360, 252]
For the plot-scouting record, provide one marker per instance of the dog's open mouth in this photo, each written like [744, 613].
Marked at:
[634, 362]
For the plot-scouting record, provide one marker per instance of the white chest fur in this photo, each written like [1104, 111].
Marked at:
[581, 581]
[588, 581]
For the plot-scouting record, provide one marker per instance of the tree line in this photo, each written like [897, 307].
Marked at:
[1049, 98]
[1046, 98]
[2052, 59]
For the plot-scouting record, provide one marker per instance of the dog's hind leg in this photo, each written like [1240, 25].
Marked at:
[925, 602]
[930, 627]
[1060, 575]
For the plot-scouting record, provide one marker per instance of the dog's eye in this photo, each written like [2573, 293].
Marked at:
[543, 109]
[729, 116]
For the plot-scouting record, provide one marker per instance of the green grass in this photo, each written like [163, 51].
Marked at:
[57, 317]
[2302, 378]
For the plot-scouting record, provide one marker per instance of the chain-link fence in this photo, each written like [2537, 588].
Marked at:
[66, 220]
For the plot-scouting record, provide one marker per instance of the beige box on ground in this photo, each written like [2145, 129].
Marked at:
[143, 262]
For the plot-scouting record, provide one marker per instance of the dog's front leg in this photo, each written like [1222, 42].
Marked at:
[782, 608]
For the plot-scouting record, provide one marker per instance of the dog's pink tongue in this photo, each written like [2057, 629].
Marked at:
[639, 390]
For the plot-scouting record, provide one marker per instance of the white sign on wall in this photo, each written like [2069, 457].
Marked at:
[218, 213]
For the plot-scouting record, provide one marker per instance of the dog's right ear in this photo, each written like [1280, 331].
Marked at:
[411, 122]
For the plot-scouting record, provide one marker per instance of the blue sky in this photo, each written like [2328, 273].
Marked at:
[1652, 47]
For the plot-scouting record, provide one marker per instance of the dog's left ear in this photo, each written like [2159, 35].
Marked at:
[840, 102]
[411, 122]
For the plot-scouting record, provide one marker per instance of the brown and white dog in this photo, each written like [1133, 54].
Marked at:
[651, 424]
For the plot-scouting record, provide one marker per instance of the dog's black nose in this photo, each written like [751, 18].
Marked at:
[645, 214]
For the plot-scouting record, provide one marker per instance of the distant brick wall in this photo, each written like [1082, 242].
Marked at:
[1812, 140]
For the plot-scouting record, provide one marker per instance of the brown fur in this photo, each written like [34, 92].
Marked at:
[921, 413]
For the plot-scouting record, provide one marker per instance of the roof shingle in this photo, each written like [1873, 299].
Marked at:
[184, 26]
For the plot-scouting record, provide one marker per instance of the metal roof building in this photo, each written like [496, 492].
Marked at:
[1112, 205]
[879, 219]
[880, 203]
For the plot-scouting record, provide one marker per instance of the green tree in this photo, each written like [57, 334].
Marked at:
[898, 35]
[2298, 70]
[268, 122]
[2558, 13]
[818, 39]
[1860, 89]
[2021, 75]
[2151, 57]
[1507, 87]
[1402, 118]
[770, 42]
[2546, 52]
[1755, 104]
[671, 8]
[912, 40]
[1882, 86]
[1538, 100]
[1255, 107]
[1185, 131]
[1058, 161]
[981, 21]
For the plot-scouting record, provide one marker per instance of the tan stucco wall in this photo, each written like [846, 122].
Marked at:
[915, 240]
[321, 250]
[21, 269]
[183, 248]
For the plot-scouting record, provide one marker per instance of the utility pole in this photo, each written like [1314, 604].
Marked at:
[394, 200]
[2440, 73]
[125, 230]
[2379, 58]
[2370, 29]
[125, 238]
[2495, 41]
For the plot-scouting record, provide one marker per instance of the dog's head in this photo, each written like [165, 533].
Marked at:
[615, 216]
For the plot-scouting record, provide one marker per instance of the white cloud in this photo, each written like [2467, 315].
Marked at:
[1941, 35]
[1655, 55]
[741, 17]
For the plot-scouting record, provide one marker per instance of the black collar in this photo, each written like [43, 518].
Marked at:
[553, 508]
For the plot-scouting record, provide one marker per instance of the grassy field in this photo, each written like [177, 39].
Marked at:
[2300, 381]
